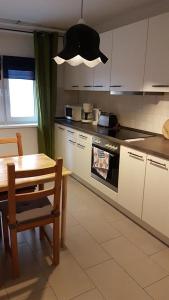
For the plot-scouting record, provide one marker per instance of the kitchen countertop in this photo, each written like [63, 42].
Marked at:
[156, 145]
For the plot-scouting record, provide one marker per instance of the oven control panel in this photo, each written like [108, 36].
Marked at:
[106, 144]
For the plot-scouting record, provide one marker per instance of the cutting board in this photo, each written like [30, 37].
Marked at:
[165, 129]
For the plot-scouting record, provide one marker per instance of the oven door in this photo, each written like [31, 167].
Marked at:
[110, 178]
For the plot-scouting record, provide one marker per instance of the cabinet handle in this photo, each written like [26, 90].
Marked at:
[160, 85]
[83, 136]
[135, 155]
[72, 142]
[98, 85]
[70, 131]
[80, 146]
[61, 128]
[75, 86]
[157, 163]
[87, 86]
[115, 86]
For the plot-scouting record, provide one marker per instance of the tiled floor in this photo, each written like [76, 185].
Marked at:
[107, 257]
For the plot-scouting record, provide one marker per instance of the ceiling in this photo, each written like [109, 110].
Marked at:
[64, 13]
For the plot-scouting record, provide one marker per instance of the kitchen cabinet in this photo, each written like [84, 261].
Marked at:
[102, 71]
[83, 156]
[60, 138]
[157, 58]
[85, 78]
[70, 148]
[156, 194]
[131, 180]
[128, 57]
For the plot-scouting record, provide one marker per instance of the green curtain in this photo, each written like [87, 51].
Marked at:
[46, 45]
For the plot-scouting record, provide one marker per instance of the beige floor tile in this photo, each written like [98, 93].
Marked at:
[68, 279]
[162, 258]
[114, 283]
[84, 248]
[141, 238]
[145, 271]
[159, 290]
[43, 294]
[91, 295]
[71, 221]
[123, 251]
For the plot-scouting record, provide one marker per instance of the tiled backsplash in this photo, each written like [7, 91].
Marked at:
[141, 112]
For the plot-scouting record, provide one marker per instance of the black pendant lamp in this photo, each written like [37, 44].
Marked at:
[81, 45]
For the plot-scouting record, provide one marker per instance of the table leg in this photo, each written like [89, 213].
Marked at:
[63, 211]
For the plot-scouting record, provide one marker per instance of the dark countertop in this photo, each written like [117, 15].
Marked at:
[156, 145]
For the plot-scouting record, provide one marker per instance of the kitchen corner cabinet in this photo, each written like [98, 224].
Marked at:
[131, 180]
[156, 194]
[128, 57]
[157, 58]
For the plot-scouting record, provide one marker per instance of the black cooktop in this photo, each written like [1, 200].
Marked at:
[122, 133]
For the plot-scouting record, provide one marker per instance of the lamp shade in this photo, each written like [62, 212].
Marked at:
[81, 45]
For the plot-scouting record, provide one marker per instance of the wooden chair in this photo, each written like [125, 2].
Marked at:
[4, 195]
[30, 210]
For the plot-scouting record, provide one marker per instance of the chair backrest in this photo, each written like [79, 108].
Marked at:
[13, 140]
[13, 197]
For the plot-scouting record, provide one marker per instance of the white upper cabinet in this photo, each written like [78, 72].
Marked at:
[102, 71]
[157, 60]
[128, 57]
[85, 77]
[71, 77]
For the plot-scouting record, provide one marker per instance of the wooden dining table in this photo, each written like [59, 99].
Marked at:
[33, 162]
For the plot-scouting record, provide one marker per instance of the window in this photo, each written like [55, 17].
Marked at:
[18, 80]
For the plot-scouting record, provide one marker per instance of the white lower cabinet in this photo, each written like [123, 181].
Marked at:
[131, 180]
[156, 194]
[60, 139]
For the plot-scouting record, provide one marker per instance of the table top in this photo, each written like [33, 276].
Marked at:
[27, 162]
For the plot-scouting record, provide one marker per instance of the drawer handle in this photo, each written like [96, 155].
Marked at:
[87, 86]
[115, 86]
[61, 128]
[157, 163]
[83, 136]
[73, 86]
[70, 131]
[98, 85]
[135, 155]
[72, 142]
[160, 85]
[80, 146]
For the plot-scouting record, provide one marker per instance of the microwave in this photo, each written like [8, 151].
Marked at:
[73, 112]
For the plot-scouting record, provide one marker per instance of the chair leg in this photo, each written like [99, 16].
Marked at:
[5, 233]
[41, 233]
[14, 253]
[56, 241]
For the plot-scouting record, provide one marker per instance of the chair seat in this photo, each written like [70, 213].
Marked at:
[27, 211]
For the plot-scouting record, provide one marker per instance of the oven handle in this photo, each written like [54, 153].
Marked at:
[106, 150]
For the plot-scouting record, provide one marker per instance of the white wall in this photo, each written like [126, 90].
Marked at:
[29, 140]
[141, 112]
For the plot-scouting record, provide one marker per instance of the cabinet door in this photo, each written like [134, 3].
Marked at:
[60, 142]
[157, 59]
[83, 156]
[85, 78]
[156, 195]
[71, 77]
[128, 57]
[70, 149]
[102, 71]
[131, 180]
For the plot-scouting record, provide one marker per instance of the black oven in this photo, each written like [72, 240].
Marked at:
[105, 162]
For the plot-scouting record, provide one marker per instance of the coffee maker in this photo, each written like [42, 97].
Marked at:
[87, 113]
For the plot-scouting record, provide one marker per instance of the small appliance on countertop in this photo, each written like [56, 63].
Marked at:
[87, 113]
[73, 112]
[108, 120]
